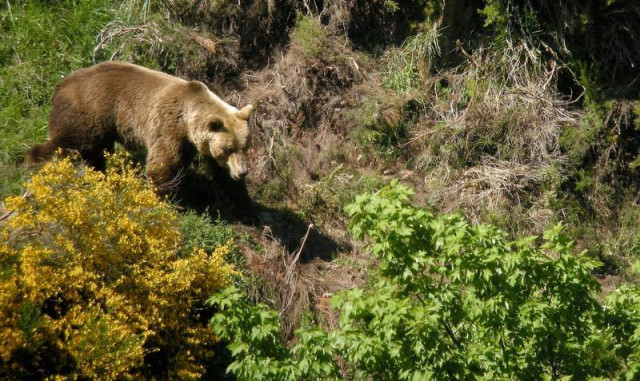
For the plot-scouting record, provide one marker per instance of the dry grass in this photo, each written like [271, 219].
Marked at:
[297, 287]
[301, 98]
[490, 141]
[301, 159]
[189, 52]
[495, 186]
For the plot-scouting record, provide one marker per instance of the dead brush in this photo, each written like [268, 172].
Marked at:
[120, 34]
[190, 52]
[493, 133]
[279, 278]
[299, 140]
[339, 14]
[494, 185]
[604, 33]
[301, 96]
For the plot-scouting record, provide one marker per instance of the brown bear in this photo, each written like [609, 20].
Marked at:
[171, 118]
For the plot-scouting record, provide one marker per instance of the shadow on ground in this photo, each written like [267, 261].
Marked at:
[231, 203]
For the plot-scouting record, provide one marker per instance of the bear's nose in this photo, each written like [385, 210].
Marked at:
[243, 173]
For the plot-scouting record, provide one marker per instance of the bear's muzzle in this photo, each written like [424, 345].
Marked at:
[237, 167]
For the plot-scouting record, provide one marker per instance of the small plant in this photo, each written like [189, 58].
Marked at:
[409, 65]
[199, 231]
[257, 347]
[309, 35]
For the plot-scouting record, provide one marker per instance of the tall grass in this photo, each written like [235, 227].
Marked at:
[41, 43]
[407, 65]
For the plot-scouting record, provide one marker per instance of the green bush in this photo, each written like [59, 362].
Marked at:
[451, 301]
[408, 66]
[201, 231]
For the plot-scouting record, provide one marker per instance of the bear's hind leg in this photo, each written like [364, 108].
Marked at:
[82, 131]
[96, 157]
[41, 153]
[95, 160]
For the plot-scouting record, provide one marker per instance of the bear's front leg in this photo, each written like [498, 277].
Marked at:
[235, 190]
[165, 168]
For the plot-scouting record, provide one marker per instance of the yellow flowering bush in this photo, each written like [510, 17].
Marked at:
[93, 283]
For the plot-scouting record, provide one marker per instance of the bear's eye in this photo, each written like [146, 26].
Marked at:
[215, 125]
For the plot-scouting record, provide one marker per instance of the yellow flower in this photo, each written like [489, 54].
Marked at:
[90, 269]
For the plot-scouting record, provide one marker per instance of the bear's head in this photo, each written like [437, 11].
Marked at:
[218, 129]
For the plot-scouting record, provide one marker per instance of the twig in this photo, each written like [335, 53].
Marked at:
[288, 277]
[452, 335]
[6, 215]
[448, 329]
[298, 252]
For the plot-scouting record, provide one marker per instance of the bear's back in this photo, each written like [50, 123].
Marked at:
[112, 79]
[117, 91]
[115, 98]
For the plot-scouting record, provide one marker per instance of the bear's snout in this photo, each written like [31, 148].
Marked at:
[237, 168]
[238, 174]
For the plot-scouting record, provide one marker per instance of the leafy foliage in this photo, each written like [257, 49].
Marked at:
[93, 283]
[200, 231]
[257, 346]
[495, 307]
[451, 301]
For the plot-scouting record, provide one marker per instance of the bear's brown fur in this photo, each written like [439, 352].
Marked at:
[171, 118]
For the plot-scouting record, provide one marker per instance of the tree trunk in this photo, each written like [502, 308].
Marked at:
[459, 19]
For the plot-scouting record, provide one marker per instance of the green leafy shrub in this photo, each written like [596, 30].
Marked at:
[451, 300]
[494, 307]
[257, 346]
[201, 231]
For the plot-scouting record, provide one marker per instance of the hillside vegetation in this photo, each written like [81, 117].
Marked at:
[465, 126]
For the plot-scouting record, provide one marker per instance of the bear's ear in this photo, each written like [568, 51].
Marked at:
[197, 86]
[215, 125]
[245, 112]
